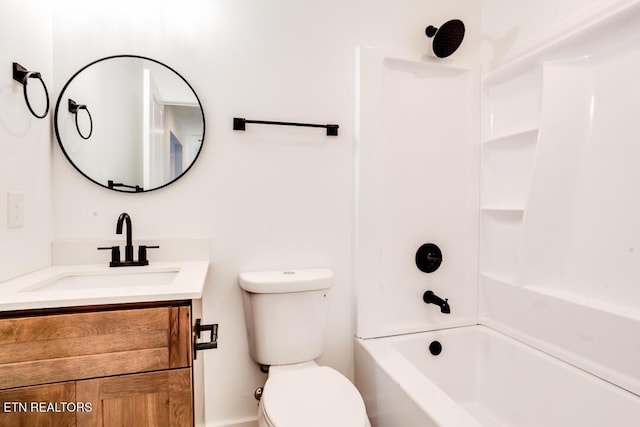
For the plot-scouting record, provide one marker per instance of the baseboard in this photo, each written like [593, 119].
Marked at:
[243, 422]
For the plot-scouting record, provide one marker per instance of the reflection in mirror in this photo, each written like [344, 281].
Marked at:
[75, 108]
[146, 123]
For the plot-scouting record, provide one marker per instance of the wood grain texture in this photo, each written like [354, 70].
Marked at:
[70, 347]
[180, 337]
[73, 368]
[181, 397]
[14, 314]
[162, 399]
[117, 359]
[44, 328]
[62, 347]
[54, 393]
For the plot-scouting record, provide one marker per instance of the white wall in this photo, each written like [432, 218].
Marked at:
[25, 141]
[511, 28]
[270, 197]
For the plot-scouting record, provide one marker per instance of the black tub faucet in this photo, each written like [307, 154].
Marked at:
[430, 298]
[128, 249]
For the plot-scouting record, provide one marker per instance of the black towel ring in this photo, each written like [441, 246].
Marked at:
[22, 75]
[73, 108]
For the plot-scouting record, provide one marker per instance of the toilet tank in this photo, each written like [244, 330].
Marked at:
[286, 314]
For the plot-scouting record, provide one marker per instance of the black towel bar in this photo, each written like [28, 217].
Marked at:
[112, 185]
[240, 124]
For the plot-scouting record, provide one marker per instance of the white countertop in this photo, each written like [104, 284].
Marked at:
[23, 293]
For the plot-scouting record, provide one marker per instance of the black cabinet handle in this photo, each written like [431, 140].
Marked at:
[213, 342]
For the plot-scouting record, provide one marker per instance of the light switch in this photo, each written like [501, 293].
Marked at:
[15, 209]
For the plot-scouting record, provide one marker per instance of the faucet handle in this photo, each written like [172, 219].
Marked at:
[115, 253]
[142, 253]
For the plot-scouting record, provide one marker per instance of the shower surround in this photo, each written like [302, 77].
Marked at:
[557, 215]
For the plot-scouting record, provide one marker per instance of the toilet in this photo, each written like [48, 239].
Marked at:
[286, 315]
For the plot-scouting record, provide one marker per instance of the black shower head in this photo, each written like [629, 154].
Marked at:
[447, 38]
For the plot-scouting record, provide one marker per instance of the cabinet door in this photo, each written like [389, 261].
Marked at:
[155, 399]
[73, 346]
[42, 406]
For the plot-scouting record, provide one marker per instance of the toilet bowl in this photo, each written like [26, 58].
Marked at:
[312, 396]
[285, 315]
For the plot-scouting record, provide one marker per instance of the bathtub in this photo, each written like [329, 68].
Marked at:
[481, 378]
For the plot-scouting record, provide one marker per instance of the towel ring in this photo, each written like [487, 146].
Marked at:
[22, 75]
[73, 109]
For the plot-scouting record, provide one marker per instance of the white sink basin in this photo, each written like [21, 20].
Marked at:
[91, 284]
[100, 280]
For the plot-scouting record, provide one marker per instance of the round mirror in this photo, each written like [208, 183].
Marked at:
[129, 123]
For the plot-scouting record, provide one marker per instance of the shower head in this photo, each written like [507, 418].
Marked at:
[446, 39]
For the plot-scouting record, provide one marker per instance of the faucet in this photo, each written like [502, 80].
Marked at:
[125, 219]
[430, 298]
[128, 249]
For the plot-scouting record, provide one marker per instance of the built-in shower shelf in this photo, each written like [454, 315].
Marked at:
[508, 210]
[507, 164]
[506, 169]
[528, 136]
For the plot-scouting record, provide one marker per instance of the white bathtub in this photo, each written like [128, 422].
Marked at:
[481, 378]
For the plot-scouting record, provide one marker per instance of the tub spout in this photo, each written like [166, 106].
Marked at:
[430, 298]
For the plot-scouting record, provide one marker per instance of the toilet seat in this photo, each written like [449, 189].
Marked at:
[312, 397]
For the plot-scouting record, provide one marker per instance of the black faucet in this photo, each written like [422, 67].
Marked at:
[430, 298]
[125, 219]
[128, 249]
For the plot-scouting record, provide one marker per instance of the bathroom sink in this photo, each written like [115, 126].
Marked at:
[105, 280]
[90, 284]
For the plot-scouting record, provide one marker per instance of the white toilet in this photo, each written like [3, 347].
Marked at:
[286, 314]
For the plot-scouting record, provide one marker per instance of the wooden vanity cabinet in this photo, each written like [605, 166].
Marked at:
[119, 365]
[160, 398]
[17, 408]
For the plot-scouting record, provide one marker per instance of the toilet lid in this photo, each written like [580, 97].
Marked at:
[313, 397]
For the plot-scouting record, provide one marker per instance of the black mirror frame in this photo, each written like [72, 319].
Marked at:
[60, 102]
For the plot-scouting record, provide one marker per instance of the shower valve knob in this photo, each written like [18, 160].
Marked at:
[428, 258]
